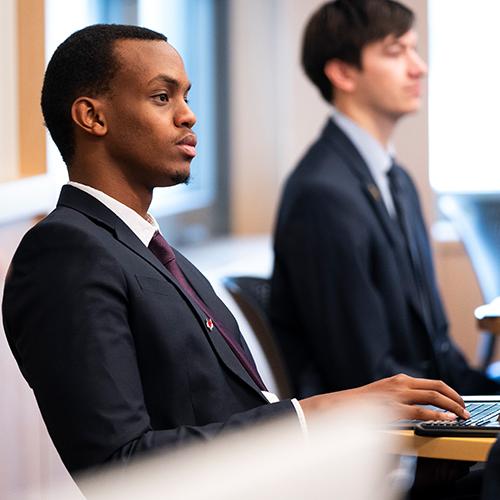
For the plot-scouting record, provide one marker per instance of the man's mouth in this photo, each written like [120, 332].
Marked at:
[414, 90]
[188, 145]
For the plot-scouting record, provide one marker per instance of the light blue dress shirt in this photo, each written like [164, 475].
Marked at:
[378, 159]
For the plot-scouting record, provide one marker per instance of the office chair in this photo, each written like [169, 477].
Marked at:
[476, 219]
[251, 294]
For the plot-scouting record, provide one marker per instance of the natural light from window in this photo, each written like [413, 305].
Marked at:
[179, 22]
[464, 96]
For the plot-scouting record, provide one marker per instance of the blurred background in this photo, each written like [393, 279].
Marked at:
[256, 115]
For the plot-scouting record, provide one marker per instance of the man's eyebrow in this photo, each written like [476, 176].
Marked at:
[391, 40]
[392, 43]
[168, 80]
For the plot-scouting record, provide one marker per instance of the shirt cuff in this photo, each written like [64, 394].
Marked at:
[301, 417]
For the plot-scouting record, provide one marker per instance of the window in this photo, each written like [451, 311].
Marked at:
[191, 26]
[464, 102]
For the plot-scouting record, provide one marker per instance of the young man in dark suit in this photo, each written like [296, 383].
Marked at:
[124, 342]
[354, 296]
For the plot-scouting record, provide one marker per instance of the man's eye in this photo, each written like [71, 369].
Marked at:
[186, 99]
[161, 97]
[393, 50]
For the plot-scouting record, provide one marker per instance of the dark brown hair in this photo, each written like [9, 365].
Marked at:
[340, 29]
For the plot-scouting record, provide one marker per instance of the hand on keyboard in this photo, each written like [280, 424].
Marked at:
[404, 393]
[482, 422]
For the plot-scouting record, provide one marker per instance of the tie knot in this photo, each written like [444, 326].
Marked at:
[159, 246]
[392, 167]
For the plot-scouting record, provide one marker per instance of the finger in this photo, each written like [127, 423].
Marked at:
[434, 398]
[438, 386]
[413, 412]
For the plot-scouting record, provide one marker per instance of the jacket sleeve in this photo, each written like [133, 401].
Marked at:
[66, 318]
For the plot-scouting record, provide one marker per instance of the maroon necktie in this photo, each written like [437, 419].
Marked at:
[163, 251]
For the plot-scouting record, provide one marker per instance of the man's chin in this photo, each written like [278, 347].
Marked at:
[181, 178]
[414, 105]
[174, 179]
[396, 115]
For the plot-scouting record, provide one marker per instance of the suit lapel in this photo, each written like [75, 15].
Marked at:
[216, 306]
[333, 134]
[91, 207]
[342, 144]
[79, 200]
[229, 359]
[372, 192]
[398, 243]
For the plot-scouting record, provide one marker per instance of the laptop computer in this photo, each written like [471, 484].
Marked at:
[483, 422]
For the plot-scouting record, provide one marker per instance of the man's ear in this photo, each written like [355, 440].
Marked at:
[88, 114]
[342, 75]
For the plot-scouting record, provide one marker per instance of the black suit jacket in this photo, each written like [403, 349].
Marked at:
[343, 302]
[118, 356]
[491, 482]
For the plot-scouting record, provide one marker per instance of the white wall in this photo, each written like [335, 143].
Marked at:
[275, 112]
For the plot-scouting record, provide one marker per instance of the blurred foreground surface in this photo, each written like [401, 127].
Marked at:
[344, 456]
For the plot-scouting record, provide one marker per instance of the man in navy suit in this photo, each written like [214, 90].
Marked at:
[124, 342]
[354, 296]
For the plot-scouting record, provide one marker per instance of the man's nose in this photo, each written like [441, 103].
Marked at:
[185, 116]
[418, 67]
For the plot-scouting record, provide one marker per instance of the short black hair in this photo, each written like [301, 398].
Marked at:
[84, 64]
[342, 28]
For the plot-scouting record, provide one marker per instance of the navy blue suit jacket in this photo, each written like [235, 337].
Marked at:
[118, 356]
[343, 303]
[491, 481]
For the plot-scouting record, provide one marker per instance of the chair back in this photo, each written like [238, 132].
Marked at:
[476, 218]
[252, 294]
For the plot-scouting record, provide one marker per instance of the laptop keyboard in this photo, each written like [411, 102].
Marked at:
[481, 414]
[482, 422]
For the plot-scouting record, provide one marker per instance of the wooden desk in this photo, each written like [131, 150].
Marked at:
[488, 316]
[456, 448]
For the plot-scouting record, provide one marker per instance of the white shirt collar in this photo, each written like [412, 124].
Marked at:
[143, 229]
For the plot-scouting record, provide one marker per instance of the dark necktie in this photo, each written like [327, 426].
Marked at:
[163, 251]
[397, 186]
[405, 218]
